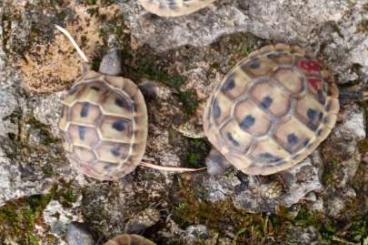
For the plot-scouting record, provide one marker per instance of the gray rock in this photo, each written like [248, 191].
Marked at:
[331, 24]
[197, 232]
[78, 234]
[266, 193]
[142, 220]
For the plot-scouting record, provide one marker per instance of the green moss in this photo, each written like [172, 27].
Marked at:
[363, 26]
[189, 100]
[18, 219]
[197, 152]
[191, 210]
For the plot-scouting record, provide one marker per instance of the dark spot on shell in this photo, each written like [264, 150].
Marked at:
[306, 142]
[216, 110]
[95, 88]
[267, 158]
[319, 132]
[275, 55]
[292, 139]
[123, 103]
[109, 167]
[82, 132]
[229, 84]
[312, 126]
[172, 4]
[320, 116]
[266, 102]
[116, 151]
[232, 140]
[295, 156]
[321, 97]
[73, 90]
[119, 125]
[312, 114]
[326, 120]
[85, 109]
[247, 122]
[328, 107]
[254, 64]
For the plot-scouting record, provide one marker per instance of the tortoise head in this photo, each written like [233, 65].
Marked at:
[111, 63]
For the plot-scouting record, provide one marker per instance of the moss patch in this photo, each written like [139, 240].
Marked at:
[18, 219]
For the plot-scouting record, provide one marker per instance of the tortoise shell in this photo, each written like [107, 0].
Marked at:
[172, 8]
[129, 240]
[104, 125]
[272, 110]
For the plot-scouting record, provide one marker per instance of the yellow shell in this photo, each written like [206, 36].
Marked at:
[173, 8]
[104, 126]
[272, 110]
[129, 240]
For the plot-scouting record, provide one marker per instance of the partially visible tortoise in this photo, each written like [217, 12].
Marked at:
[173, 8]
[105, 122]
[127, 239]
[270, 111]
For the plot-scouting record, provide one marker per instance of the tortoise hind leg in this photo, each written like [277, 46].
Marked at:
[216, 163]
[347, 97]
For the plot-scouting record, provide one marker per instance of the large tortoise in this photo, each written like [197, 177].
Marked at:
[173, 8]
[270, 112]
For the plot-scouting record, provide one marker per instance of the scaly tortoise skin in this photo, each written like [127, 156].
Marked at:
[173, 8]
[105, 126]
[272, 110]
[129, 240]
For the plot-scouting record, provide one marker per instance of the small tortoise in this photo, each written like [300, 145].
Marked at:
[173, 8]
[105, 122]
[270, 111]
[126, 239]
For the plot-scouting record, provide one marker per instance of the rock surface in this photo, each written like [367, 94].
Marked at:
[176, 62]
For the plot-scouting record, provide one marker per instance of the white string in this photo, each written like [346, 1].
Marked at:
[74, 43]
[171, 168]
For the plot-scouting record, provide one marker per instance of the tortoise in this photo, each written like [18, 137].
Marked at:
[173, 8]
[127, 239]
[104, 122]
[270, 112]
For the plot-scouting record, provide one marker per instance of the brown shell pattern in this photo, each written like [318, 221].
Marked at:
[104, 126]
[129, 240]
[272, 110]
[173, 8]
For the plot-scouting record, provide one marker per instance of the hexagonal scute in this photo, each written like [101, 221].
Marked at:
[271, 97]
[236, 84]
[310, 111]
[85, 113]
[291, 78]
[268, 153]
[258, 66]
[251, 118]
[116, 129]
[94, 92]
[84, 155]
[281, 57]
[83, 136]
[118, 104]
[236, 138]
[293, 135]
[112, 152]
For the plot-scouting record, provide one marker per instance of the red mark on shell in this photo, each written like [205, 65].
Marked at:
[315, 83]
[310, 65]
